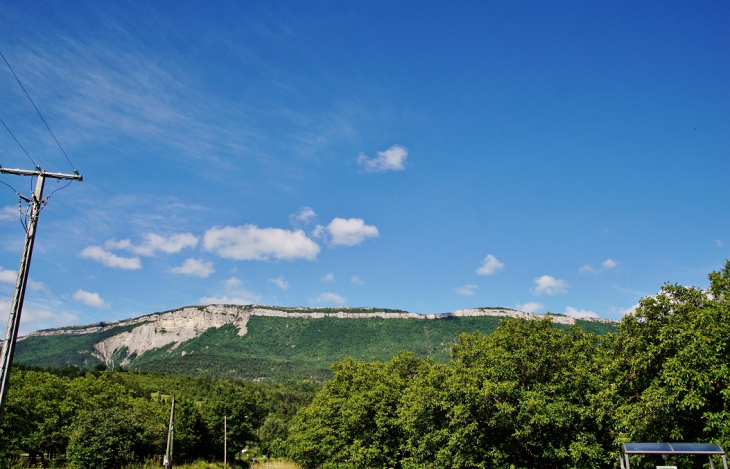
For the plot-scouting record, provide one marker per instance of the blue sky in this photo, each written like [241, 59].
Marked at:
[547, 156]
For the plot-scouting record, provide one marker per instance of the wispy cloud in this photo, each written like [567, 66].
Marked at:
[392, 159]
[9, 213]
[280, 282]
[90, 299]
[355, 280]
[489, 266]
[608, 264]
[235, 294]
[466, 290]
[547, 285]
[249, 242]
[154, 242]
[718, 242]
[303, 217]
[330, 277]
[194, 267]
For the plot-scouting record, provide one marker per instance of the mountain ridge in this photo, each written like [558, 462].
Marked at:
[152, 340]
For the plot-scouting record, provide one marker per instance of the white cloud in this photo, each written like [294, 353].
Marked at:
[90, 299]
[355, 280]
[36, 286]
[233, 282]
[329, 298]
[530, 307]
[225, 300]
[547, 285]
[250, 242]
[624, 311]
[490, 265]
[154, 242]
[280, 282]
[348, 232]
[466, 290]
[608, 264]
[99, 254]
[576, 313]
[194, 267]
[235, 294]
[718, 242]
[11, 276]
[330, 277]
[392, 159]
[34, 317]
[588, 269]
[9, 213]
[8, 276]
[302, 217]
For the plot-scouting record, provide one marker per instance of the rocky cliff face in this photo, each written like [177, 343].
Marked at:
[174, 327]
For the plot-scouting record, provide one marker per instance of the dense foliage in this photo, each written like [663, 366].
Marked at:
[109, 419]
[534, 395]
[528, 394]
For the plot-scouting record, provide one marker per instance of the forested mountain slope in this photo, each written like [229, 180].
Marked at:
[256, 342]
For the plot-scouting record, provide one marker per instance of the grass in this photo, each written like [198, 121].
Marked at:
[270, 464]
[276, 464]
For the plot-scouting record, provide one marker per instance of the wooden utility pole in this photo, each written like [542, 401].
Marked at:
[225, 442]
[170, 433]
[11, 333]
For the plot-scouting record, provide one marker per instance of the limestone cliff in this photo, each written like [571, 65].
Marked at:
[171, 328]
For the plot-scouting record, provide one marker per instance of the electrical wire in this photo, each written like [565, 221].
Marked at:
[39, 112]
[11, 187]
[20, 206]
[59, 189]
[16, 141]
[23, 222]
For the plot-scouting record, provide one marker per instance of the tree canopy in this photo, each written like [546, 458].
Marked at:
[534, 395]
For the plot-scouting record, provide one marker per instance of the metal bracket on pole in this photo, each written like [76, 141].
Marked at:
[11, 332]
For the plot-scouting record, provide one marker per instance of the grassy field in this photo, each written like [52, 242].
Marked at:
[270, 464]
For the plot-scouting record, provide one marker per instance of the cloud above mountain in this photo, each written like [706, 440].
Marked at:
[249, 242]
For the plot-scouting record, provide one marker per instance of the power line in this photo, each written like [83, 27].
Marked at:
[39, 113]
[16, 141]
[36, 203]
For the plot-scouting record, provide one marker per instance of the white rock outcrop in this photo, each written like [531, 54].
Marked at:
[175, 327]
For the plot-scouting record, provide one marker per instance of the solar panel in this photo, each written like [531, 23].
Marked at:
[647, 448]
[672, 448]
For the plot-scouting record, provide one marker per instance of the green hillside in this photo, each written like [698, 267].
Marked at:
[274, 347]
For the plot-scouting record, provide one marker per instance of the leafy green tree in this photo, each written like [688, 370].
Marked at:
[354, 418]
[520, 397]
[272, 432]
[36, 420]
[108, 438]
[191, 434]
[244, 412]
[668, 370]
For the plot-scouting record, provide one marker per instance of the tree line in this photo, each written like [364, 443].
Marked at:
[111, 418]
[532, 394]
